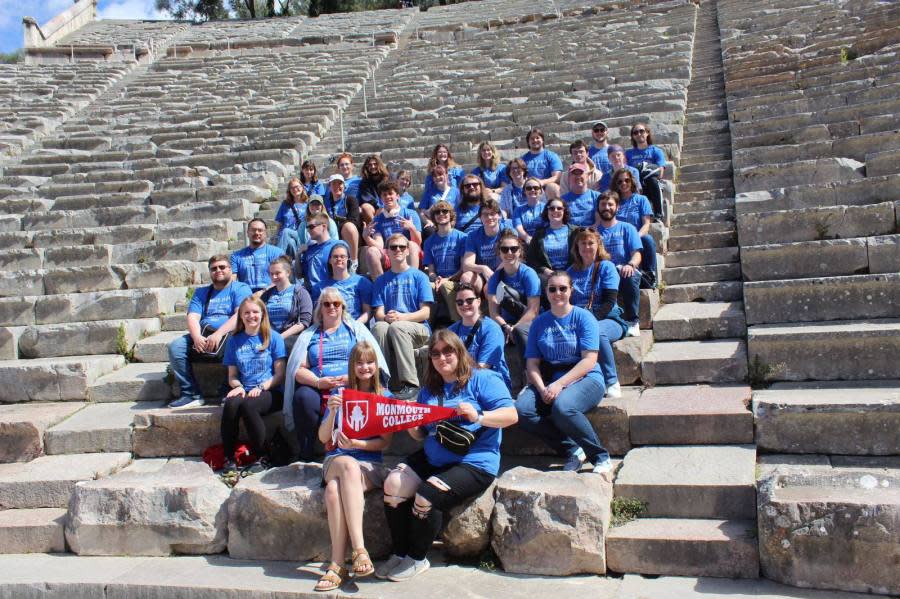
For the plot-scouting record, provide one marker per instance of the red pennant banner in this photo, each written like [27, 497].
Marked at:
[367, 415]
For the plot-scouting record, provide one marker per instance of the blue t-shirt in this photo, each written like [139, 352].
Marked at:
[607, 278]
[556, 246]
[526, 281]
[335, 351]
[356, 291]
[512, 197]
[634, 209]
[254, 367]
[543, 164]
[561, 340]
[582, 207]
[252, 265]
[317, 188]
[314, 262]
[485, 391]
[351, 187]
[606, 179]
[653, 154]
[445, 253]
[599, 156]
[406, 201]
[429, 198]
[487, 345]
[468, 215]
[529, 217]
[290, 217]
[492, 178]
[336, 208]
[388, 225]
[222, 304]
[404, 292]
[360, 454]
[621, 241]
[454, 176]
[484, 247]
[278, 305]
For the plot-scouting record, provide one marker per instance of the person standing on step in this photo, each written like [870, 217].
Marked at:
[211, 317]
[443, 252]
[402, 299]
[491, 172]
[578, 154]
[623, 243]
[598, 148]
[288, 306]
[393, 218]
[635, 209]
[480, 259]
[483, 338]
[617, 161]
[374, 173]
[312, 264]
[356, 289]
[250, 265]
[581, 200]
[255, 357]
[564, 380]
[433, 480]
[542, 163]
[343, 209]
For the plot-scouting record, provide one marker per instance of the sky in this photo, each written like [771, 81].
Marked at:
[12, 11]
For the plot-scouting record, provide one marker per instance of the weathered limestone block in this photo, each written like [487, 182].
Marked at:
[53, 379]
[884, 254]
[79, 279]
[629, 353]
[19, 283]
[67, 339]
[280, 515]
[17, 311]
[86, 255]
[37, 530]
[179, 508]
[108, 305]
[22, 428]
[831, 527]
[177, 273]
[803, 172]
[809, 224]
[168, 432]
[551, 523]
[20, 259]
[804, 259]
[468, 531]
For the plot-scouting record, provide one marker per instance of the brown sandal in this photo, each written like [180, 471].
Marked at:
[362, 563]
[333, 578]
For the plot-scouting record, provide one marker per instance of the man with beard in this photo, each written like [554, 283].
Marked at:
[250, 265]
[472, 196]
[623, 243]
[598, 150]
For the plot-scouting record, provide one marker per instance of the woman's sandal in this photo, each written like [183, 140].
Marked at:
[333, 578]
[362, 563]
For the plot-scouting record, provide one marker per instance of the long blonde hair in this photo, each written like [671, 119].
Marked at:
[364, 351]
[265, 330]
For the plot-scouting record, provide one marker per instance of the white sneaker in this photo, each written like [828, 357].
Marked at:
[603, 466]
[634, 330]
[188, 402]
[575, 461]
[408, 568]
[384, 570]
[354, 266]
[614, 391]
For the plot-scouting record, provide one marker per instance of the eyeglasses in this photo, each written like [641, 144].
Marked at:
[509, 249]
[332, 304]
[313, 226]
[559, 289]
[339, 257]
[219, 267]
[625, 181]
[532, 188]
[397, 247]
[467, 301]
[445, 351]
[638, 131]
[555, 208]
[599, 129]
[472, 184]
[441, 212]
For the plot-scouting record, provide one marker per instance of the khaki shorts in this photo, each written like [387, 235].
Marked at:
[375, 472]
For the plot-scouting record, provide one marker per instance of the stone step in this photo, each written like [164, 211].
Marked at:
[834, 350]
[721, 183]
[99, 428]
[142, 382]
[838, 417]
[168, 432]
[702, 242]
[175, 322]
[699, 320]
[702, 196]
[820, 299]
[816, 224]
[719, 175]
[39, 530]
[684, 547]
[155, 348]
[22, 428]
[702, 229]
[721, 291]
[695, 169]
[688, 362]
[54, 379]
[705, 206]
[702, 257]
[710, 216]
[691, 481]
[692, 415]
[702, 156]
[702, 274]
[48, 480]
[80, 338]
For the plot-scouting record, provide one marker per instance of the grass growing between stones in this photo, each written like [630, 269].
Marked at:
[122, 344]
[626, 509]
[189, 294]
[759, 372]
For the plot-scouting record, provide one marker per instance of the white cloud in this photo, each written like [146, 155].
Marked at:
[130, 9]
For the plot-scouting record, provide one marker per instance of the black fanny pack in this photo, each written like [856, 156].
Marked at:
[455, 438]
[550, 371]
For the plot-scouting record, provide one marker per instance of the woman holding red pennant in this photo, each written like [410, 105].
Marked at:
[460, 457]
[351, 467]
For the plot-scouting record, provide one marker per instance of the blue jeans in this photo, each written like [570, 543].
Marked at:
[648, 255]
[563, 424]
[630, 296]
[288, 242]
[610, 331]
[181, 366]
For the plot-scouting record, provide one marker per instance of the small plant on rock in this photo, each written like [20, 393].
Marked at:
[760, 372]
[122, 344]
[626, 509]
[823, 227]
[189, 294]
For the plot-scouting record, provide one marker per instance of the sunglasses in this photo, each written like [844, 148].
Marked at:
[446, 351]
[467, 301]
[471, 184]
[311, 227]
[599, 129]
[219, 267]
[332, 304]
[555, 208]
[559, 289]
[638, 131]
[397, 248]
[532, 188]
[620, 181]
[509, 249]
[441, 212]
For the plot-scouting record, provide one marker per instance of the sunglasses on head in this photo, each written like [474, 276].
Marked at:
[467, 301]
[445, 351]
[397, 247]
[557, 289]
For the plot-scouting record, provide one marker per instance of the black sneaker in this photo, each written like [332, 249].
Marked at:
[407, 392]
[228, 466]
[254, 468]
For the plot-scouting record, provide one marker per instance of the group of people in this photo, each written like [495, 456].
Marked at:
[531, 256]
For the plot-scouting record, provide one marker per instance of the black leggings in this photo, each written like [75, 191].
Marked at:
[307, 412]
[411, 535]
[251, 410]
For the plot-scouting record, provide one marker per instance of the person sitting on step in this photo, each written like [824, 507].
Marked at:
[490, 170]
[374, 173]
[635, 209]
[623, 243]
[483, 338]
[356, 289]
[290, 218]
[343, 209]
[443, 191]
[542, 163]
[288, 305]
[312, 263]
[578, 153]
[443, 252]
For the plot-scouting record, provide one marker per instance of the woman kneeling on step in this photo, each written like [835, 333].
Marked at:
[351, 467]
[459, 460]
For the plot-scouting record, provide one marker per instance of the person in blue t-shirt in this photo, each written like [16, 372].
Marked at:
[617, 161]
[250, 265]
[597, 151]
[351, 468]
[513, 194]
[541, 162]
[491, 172]
[582, 202]
[442, 190]
[212, 315]
[355, 289]
[255, 357]
[344, 167]
[623, 243]
[578, 154]
[441, 156]
[635, 209]
[392, 218]
[289, 306]
[527, 217]
[472, 194]
[402, 299]
[404, 179]
[551, 246]
[443, 253]
[642, 148]
[433, 480]
[309, 178]
[595, 287]
[483, 338]
[290, 218]
[343, 209]
[480, 259]
[374, 173]
[312, 264]
[564, 380]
